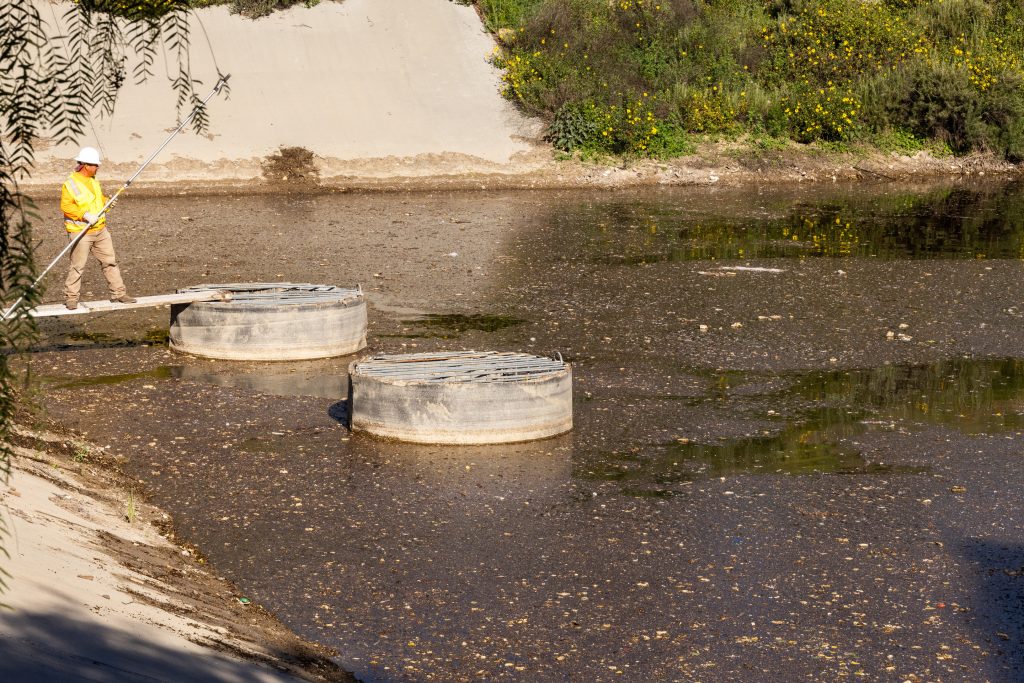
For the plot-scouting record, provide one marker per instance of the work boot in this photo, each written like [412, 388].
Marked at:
[71, 304]
[124, 299]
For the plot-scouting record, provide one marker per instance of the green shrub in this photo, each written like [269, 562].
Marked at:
[671, 140]
[897, 140]
[831, 41]
[951, 20]
[499, 14]
[940, 100]
[769, 144]
[628, 127]
[576, 125]
[1004, 116]
[704, 110]
[898, 72]
[765, 110]
[828, 113]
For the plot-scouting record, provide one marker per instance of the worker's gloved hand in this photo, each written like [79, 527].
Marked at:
[90, 217]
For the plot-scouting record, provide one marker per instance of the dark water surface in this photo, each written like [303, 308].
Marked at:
[949, 223]
[797, 453]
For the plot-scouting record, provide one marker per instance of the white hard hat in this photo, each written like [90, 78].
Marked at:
[88, 155]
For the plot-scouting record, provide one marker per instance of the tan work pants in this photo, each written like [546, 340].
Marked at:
[101, 246]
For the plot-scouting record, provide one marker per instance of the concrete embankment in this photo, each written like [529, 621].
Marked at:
[372, 88]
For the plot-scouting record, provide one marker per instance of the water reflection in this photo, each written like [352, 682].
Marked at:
[308, 383]
[957, 222]
[296, 383]
[527, 470]
[152, 337]
[817, 414]
[974, 396]
[451, 325]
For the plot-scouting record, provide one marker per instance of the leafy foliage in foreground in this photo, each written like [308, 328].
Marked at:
[48, 89]
[641, 77]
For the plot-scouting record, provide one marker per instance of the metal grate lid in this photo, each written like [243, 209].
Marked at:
[459, 367]
[280, 293]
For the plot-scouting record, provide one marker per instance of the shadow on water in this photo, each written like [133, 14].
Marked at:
[814, 417]
[326, 385]
[323, 385]
[997, 610]
[446, 326]
[949, 223]
[162, 372]
[152, 336]
[340, 413]
[102, 340]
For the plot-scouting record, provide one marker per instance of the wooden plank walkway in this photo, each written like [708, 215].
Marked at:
[85, 307]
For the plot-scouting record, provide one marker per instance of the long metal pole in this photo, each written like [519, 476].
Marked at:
[110, 202]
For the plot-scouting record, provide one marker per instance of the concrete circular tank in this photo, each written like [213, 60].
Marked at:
[271, 321]
[464, 397]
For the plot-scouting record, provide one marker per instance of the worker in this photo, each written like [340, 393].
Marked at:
[82, 200]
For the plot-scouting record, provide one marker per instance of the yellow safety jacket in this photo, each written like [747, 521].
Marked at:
[78, 195]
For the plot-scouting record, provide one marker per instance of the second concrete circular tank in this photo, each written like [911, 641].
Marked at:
[464, 397]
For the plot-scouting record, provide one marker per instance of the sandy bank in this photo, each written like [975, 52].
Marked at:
[96, 592]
